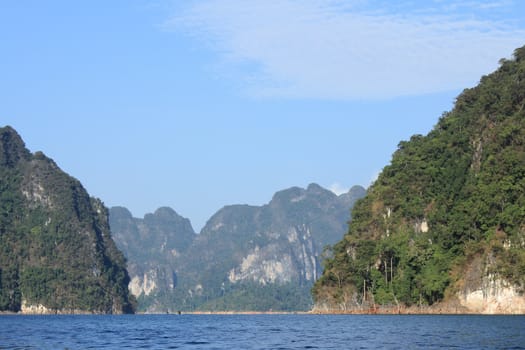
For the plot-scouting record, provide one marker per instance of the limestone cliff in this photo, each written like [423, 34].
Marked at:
[251, 257]
[245, 258]
[484, 290]
[152, 246]
[56, 251]
[444, 224]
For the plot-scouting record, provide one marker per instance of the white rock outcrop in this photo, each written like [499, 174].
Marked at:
[494, 296]
[144, 284]
[33, 309]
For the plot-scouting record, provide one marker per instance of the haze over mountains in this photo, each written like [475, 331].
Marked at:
[442, 229]
[58, 255]
[245, 258]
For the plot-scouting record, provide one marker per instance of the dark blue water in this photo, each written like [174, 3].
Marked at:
[261, 332]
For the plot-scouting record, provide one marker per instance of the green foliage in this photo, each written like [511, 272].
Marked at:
[461, 186]
[55, 247]
[256, 297]
[245, 296]
[292, 229]
[10, 297]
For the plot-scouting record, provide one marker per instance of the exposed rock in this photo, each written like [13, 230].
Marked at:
[143, 286]
[496, 297]
[152, 246]
[57, 253]
[442, 228]
[485, 292]
[240, 247]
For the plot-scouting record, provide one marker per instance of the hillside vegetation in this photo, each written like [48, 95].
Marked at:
[447, 213]
[56, 252]
[246, 258]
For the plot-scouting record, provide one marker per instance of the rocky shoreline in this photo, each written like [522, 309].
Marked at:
[436, 309]
[455, 307]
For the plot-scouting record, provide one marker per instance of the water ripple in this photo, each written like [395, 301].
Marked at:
[260, 332]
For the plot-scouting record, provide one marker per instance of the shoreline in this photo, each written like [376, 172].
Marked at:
[439, 309]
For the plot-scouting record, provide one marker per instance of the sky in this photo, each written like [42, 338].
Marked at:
[201, 104]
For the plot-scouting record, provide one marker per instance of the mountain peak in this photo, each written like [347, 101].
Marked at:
[121, 212]
[296, 194]
[313, 187]
[443, 221]
[263, 252]
[12, 147]
[356, 191]
[57, 252]
[165, 212]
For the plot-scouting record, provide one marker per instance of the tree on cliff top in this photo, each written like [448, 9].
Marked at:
[445, 198]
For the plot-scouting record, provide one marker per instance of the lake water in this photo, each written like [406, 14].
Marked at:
[261, 332]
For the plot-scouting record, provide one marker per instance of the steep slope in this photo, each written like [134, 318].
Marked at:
[56, 251]
[152, 246]
[245, 258]
[445, 222]
[261, 258]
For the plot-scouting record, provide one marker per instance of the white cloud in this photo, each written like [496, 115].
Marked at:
[338, 189]
[374, 178]
[351, 49]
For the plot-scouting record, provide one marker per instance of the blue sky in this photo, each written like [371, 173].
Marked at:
[201, 104]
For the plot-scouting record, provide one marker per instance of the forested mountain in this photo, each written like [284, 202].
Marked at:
[56, 251]
[444, 224]
[153, 246]
[245, 258]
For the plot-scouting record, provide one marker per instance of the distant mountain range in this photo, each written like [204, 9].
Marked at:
[245, 258]
[57, 254]
[442, 229]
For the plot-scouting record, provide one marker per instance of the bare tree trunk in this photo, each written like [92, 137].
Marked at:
[386, 272]
[391, 269]
[364, 290]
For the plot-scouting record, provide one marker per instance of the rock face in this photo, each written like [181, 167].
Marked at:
[152, 245]
[496, 297]
[245, 258]
[280, 263]
[444, 226]
[486, 292]
[56, 251]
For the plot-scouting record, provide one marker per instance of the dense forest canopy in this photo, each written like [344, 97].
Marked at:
[56, 250]
[447, 199]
